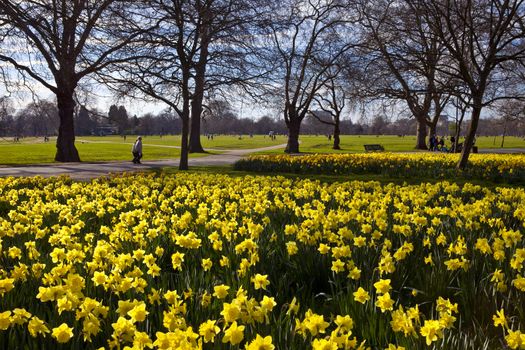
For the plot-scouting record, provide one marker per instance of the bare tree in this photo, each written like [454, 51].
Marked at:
[332, 100]
[309, 37]
[38, 118]
[511, 112]
[6, 116]
[198, 46]
[482, 38]
[58, 43]
[226, 55]
[401, 56]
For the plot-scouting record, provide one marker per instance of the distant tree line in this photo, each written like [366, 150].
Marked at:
[40, 118]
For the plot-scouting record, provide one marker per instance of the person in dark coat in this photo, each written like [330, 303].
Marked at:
[137, 150]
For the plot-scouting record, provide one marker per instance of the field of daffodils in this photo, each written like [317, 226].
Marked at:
[192, 261]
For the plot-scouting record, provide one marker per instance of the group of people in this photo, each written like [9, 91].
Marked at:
[436, 143]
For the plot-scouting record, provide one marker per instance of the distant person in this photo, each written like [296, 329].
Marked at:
[137, 150]
[432, 143]
[452, 144]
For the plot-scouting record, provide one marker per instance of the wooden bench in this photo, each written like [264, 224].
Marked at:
[374, 148]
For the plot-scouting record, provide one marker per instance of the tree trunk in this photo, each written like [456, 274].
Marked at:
[421, 135]
[294, 127]
[195, 130]
[432, 129]
[337, 132]
[456, 140]
[183, 163]
[504, 133]
[459, 123]
[66, 150]
[469, 138]
[196, 104]
[184, 115]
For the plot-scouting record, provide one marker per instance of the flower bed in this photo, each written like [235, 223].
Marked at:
[218, 262]
[500, 168]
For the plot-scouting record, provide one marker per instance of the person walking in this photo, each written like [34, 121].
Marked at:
[137, 150]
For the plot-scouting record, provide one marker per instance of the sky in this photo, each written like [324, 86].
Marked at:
[102, 98]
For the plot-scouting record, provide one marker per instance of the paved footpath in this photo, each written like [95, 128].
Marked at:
[86, 171]
[503, 150]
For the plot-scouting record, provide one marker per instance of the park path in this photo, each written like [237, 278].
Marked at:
[86, 171]
[144, 144]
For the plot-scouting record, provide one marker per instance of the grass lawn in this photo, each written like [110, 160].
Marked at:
[391, 143]
[354, 143]
[219, 142]
[36, 153]
[495, 142]
[115, 148]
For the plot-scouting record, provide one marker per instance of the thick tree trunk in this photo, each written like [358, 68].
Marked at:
[196, 104]
[66, 150]
[294, 127]
[184, 115]
[183, 163]
[195, 130]
[469, 138]
[421, 135]
[337, 132]
[432, 129]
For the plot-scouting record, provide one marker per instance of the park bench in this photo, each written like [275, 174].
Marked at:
[374, 148]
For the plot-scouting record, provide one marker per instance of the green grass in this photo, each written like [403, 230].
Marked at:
[354, 143]
[495, 142]
[37, 153]
[219, 142]
[115, 148]
[391, 143]
[244, 142]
